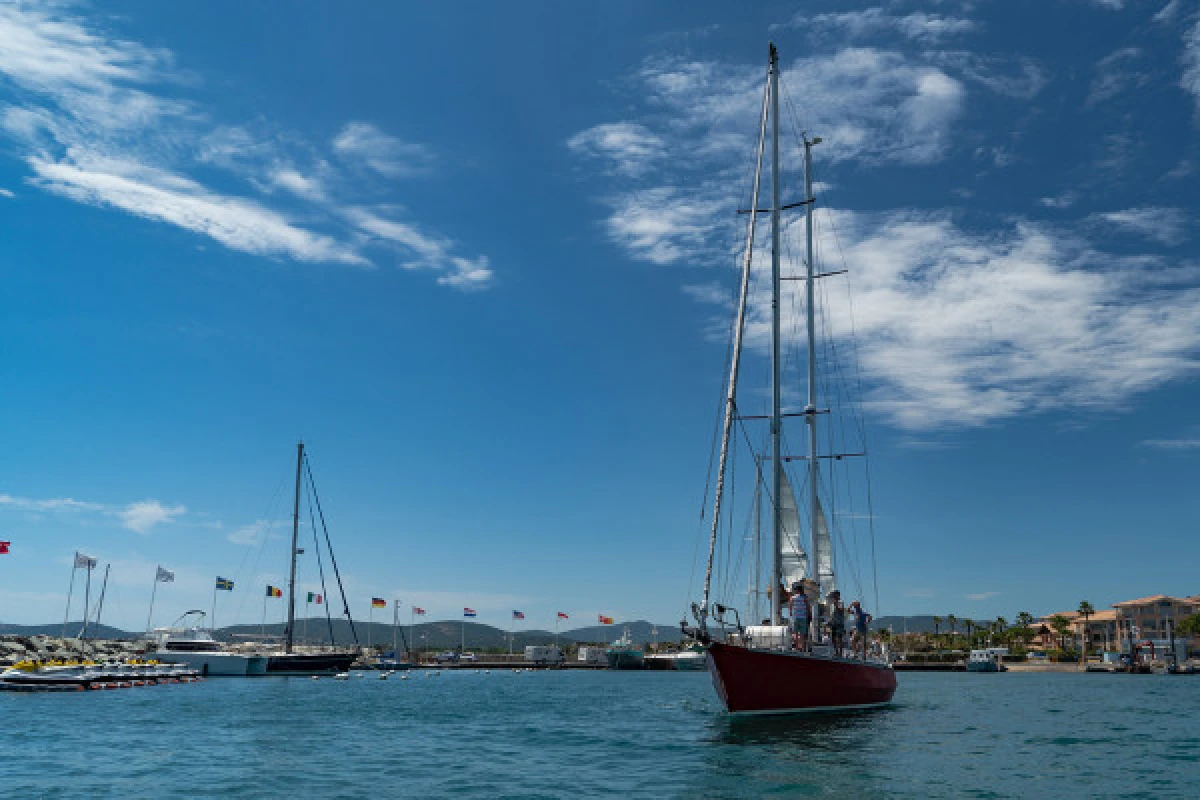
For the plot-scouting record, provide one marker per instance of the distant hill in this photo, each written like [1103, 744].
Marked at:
[447, 634]
[917, 624]
[56, 629]
[442, 635]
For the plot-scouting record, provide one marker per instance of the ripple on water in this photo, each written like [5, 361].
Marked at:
[559, 734]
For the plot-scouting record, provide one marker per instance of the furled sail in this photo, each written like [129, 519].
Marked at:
[793, 559]
[824, 554]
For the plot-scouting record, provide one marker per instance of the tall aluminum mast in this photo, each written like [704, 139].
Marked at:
[295, 541]
[810, 410]
[734, 366]
[776, 359]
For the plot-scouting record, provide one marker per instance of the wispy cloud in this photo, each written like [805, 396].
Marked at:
[421, 250]
[1166, 226]
[630, 147]
[143, 516]
[1115, 75]
[1191, 61]
[362, 143]
[50, 504]
[920, 26]
[140, 517]
[977, 596]
[104, 121]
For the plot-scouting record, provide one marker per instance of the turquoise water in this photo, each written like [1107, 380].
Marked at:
[589, 734]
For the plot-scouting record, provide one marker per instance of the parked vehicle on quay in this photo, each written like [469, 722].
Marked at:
[538, 654]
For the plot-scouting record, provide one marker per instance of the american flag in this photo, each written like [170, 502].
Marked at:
[518, 615]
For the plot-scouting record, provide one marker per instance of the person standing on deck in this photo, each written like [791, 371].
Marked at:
[801, 611]
[862, 621]
[837, 622]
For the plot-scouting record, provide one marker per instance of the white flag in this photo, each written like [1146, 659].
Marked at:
[164, 576]
[84, 562]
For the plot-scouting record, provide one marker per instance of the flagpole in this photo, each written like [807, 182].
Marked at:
[263, 629]
[370, 623]
[463, 648]
[307, 604]
[70, 591]
[212, 621]
[395, 625]
[153, 592]
[412, 630]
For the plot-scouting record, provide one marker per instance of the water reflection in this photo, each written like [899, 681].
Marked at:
[821, 731]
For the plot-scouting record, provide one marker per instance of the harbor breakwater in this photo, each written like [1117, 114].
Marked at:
[47, 648]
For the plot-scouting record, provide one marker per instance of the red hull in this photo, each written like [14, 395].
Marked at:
[762, 681]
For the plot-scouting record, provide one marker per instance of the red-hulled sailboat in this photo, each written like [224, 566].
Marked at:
[762, 668]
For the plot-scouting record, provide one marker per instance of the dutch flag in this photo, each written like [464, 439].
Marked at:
[468, 612]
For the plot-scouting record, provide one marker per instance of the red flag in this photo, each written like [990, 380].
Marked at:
[561, 615]
[605, 620]
[4, 548]
[418, 611]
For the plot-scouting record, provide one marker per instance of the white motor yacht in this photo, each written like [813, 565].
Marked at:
[196, 648]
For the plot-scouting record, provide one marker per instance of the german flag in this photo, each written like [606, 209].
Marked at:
[378, 602]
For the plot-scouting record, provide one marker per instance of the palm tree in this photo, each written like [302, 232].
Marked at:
[1025, 619]
[1086, 611]
[937, 624]
[950, 620]
[1061, 626]
[969, 625]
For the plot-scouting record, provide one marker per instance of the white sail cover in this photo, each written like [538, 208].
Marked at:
[824, 554]
[793, 560]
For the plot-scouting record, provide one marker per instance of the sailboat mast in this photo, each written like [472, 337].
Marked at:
[776, 359]
[810, 410]
[734, 366]
[295, 542]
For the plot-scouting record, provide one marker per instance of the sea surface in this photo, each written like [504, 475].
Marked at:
[602, 734]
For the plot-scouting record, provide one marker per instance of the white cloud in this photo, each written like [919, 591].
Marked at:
[93, 120]
[423, 250]
[977, 596]
[363, 143]
[870, 105]
[51, 504]
[919, 25]
[1115, 75]
[249, 534]
[1167, 13]
[6, 193]
[143, 516]
[1166, 226]
[306, 186]
[630, 146]
[237, 223]
[957, 328]
[1191, 61]
[1061, 201]
[665, 225]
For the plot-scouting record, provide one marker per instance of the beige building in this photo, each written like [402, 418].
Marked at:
[1153, 619]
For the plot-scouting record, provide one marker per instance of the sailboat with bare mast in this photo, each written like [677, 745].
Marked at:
[290, 661]
[758, 668]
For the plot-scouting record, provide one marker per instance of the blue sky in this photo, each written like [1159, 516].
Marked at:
[481, 259]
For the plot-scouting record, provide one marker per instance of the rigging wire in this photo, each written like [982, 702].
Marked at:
[332, 558]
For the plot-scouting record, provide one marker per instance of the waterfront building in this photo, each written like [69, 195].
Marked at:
[1098, 632]
[1154, 619]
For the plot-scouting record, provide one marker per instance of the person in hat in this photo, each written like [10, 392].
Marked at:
[801, 610]
[837, 621]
